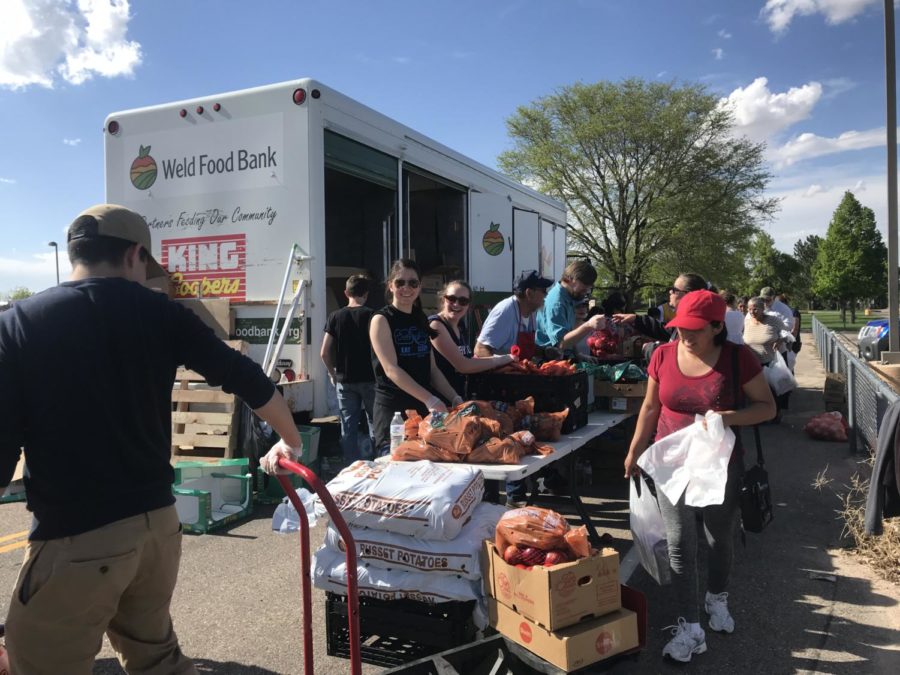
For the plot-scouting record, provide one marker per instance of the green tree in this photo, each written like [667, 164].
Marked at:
[654, 181]
[852, 260]
[805, 253]
[769, 267]
[19, 293]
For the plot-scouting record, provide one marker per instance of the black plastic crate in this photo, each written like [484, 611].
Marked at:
[551, 393]
[395, 632]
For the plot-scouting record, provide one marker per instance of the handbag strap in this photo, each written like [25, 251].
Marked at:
[738, 395]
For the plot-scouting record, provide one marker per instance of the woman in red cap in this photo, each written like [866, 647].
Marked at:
[689, 376]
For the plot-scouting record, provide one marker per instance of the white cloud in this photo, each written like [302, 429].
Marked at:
[724, 34]
[837, 86]
[808, 145]
[71, 141]
[35, 272]
[760, 113]
[718, 53]
[779, 13]
[813, 190]
[662, 73]
[402, 60]
[8, 181]
[803, 213]
[41, 40]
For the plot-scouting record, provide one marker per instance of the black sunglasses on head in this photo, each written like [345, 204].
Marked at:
[412, 283]
[461, 301]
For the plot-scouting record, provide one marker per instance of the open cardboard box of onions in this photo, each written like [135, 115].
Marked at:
[555, 596]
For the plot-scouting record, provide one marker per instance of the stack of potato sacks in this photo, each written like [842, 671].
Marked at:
[417, 529]
[480, 432]
[552, 593]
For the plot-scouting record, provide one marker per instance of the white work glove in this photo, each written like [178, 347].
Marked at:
[597, 322]
[435, 404]
[456, 401]
[280, 450]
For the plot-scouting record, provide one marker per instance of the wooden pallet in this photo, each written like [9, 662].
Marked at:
[204, 419]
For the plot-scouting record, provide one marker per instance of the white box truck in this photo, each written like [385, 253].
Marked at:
[230, 182]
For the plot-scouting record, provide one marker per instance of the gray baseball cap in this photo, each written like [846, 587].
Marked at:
[112, 220]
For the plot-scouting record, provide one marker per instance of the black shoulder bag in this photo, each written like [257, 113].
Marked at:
[756, 497]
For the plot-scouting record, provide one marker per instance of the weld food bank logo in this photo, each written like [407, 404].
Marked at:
[143, 169]
[492, 242]
[207, 267]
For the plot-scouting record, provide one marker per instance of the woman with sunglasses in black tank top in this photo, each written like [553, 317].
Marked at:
[452, 351]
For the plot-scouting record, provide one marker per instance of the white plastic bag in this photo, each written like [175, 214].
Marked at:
[693, 459]
[286, 519]
[649, 532]
[791, 360]
[779, 376]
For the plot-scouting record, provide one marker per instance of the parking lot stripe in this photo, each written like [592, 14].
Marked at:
[17, 535]
[13, 547]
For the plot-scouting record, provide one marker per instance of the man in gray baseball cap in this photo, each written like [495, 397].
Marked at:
[104, 551]
[114, 222]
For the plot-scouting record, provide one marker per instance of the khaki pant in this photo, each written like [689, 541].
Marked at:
[118, 580]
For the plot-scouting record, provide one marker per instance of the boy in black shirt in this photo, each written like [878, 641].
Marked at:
[347, 354]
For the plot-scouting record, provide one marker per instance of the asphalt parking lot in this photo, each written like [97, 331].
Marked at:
[800, 602]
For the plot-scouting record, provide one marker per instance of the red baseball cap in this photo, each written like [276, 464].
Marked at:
[697, 309]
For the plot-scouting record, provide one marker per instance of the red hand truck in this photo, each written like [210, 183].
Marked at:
[352, 589]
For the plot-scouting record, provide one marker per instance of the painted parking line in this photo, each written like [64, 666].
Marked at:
[15, 545]
[17, 535]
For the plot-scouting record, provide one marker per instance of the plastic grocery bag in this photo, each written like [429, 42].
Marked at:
[693, 459]
[649, 532]
[779, 376]
[286, 519]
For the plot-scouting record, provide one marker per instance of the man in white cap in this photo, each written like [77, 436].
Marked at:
[105, 545]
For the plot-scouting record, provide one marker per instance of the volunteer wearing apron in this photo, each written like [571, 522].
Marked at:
[511, 324]
[511, 321]
[452, 352]
[406, 376]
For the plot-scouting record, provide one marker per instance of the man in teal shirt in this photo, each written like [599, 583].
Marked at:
[556, 320]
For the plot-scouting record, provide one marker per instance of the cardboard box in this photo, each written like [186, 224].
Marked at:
[620, 389]
[626, 405]
[556, 596]
[572, 647]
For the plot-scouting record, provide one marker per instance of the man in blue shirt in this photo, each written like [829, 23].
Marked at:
[556, 320]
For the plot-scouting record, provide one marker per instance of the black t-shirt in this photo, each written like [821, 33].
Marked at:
[456, 379]
[349, 327]
[98, 437]
[413, 348]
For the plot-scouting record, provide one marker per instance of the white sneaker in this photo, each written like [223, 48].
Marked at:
[686, 642]
[717, 608]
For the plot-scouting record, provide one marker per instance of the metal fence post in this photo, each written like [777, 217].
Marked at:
[851, 403]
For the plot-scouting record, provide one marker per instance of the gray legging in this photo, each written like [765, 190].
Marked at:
[681, 532]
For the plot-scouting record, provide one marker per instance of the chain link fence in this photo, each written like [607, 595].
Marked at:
[868, 397]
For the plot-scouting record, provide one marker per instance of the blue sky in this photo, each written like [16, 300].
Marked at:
[805, 76]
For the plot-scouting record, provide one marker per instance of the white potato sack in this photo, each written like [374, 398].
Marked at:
[423, 499]
[387, 550]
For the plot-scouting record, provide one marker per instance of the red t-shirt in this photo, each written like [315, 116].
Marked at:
[682, 397]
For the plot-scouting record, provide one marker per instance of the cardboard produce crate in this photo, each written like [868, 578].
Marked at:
[557, 596]
[572, 647]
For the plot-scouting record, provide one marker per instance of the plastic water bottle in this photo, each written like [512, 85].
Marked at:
[396, 430]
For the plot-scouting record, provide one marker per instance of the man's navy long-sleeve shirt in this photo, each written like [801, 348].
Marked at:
[86, 375]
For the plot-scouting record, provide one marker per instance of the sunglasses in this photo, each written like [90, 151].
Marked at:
[456, 300]
[412, 283]
[672, 289]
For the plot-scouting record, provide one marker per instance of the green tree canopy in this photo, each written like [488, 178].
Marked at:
[805, 253]
[653, 179]
[852, 259]
[769, 266]
[19, 293]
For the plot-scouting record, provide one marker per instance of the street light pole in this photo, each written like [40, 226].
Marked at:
[56, 251]
[890, 71]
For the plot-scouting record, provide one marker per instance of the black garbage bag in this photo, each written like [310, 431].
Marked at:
[256, 436]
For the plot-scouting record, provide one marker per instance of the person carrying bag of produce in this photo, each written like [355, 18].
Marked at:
[687, 377]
